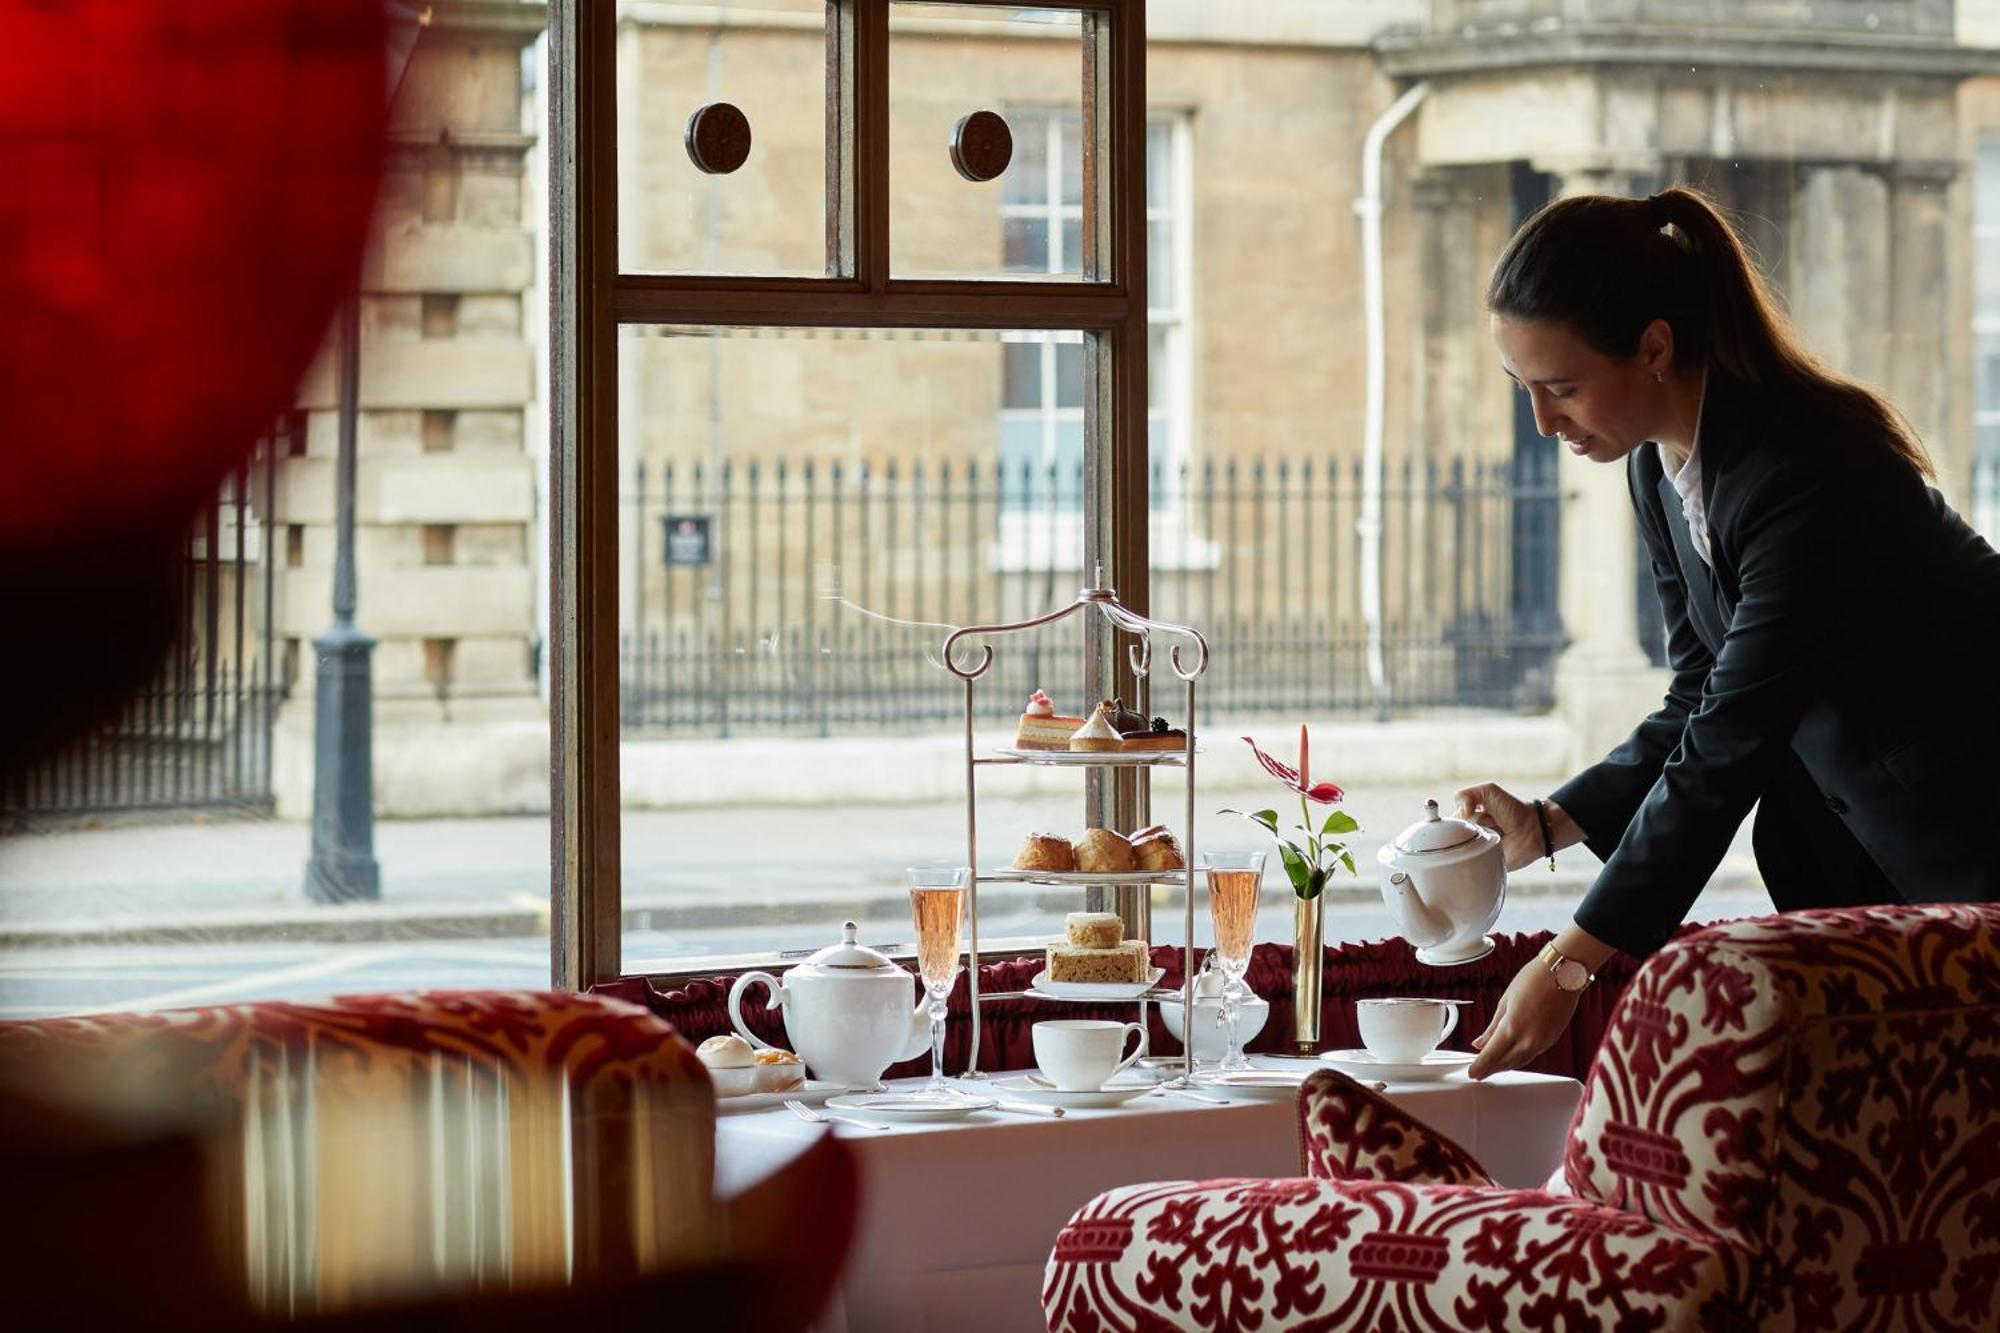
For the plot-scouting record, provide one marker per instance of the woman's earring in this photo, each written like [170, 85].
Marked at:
[1659, 377]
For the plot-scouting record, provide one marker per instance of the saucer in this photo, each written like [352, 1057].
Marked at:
[1252, 1084]
[1368, 1065]
[811, 1091]
[910, 1107]
[1036, 1088]
[1042, 988]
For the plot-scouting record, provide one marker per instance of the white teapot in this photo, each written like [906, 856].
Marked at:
[848, 1012]
[1444, 881]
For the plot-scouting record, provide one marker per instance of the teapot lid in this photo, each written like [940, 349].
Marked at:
[1433, 833]
[848, 956]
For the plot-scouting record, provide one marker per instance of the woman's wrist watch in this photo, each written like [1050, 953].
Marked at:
[1569, 974]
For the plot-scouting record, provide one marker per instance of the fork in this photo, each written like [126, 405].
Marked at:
[1165, 1091]
[804, 1112]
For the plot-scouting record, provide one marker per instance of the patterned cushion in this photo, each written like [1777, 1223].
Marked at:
[1824, 1086]
[1347, 1132]
[1245, 1255]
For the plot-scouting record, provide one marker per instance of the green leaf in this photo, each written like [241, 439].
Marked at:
[1340, 822]
[1315, 884]
[1296, 869]
[1347, 859]
[1268, 818]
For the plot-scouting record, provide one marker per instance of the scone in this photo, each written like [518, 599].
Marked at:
[1157, 849]
[1093, 930]
[1045, 851]
[1102, 852]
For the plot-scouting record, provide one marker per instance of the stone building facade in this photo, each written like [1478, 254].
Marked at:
[1842, 133]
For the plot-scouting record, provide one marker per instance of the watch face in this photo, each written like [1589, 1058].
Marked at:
[1571, 975]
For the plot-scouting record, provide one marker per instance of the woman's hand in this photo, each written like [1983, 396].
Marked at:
[1509, 816]
[1531, 1016]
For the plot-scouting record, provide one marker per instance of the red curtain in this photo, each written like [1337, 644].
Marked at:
[1352, 971]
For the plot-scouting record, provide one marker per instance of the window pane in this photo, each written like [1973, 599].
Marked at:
[1072, 247]
[1071, 125]
[1988, 355]
[800, 510]
[768, 59]
[1159, 265]
[946, 61]
[1158, 367]
[1026, 245]
[1023, 371]
[1986, 265]
[162, 860]
[1069, 374]
[1159, 164]
[1027, 179]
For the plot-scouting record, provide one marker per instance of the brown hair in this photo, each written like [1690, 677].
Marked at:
[1606, 267]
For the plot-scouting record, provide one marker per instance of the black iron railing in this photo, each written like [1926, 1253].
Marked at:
[198, 735]
[806, 598]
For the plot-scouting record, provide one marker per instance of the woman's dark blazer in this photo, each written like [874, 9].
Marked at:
[1851, 616]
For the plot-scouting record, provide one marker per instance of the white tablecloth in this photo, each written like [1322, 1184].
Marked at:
[957, 1219]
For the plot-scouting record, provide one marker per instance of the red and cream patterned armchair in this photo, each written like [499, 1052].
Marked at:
[379, 1148]
[1793, 1122]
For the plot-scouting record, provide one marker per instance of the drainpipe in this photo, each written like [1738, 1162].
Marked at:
[1369, 208]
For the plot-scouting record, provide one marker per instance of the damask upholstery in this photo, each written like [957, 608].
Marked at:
[370, 1146]
[1793, 1123]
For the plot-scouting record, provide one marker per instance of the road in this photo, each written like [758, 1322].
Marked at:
[40, 982]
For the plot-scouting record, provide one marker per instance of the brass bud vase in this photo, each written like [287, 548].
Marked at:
[1307, 955]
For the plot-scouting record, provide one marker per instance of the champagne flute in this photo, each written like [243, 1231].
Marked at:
[937, 903]
[1234, 881]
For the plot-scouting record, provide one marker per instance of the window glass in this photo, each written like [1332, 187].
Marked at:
[169, 857]
[946, 62]
[804, 513]
[767, 59]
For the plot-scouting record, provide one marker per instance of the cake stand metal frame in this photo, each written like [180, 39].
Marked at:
[1101, 601]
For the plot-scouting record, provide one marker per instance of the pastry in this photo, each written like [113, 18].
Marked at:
[1157, 849]
[1045, 851]
[1124, 720]
[1126, 961]
[1042, 728]
[1096, 734]
[1157, 736]
[1094, 930]
[779, 1071]
[1101, 852]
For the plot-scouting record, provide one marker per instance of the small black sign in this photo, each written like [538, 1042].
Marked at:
[687, 539]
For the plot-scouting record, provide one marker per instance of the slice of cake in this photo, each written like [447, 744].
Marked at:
[1126, 961]
[1096, 734]
[1042, 728]
[1094, 930]
[1157, 735]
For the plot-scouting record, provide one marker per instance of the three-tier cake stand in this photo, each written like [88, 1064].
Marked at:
[1188, 659]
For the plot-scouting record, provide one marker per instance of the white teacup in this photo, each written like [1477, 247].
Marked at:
[1405, 1029]
[1082, 1054]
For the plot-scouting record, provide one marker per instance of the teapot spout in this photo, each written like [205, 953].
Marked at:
[1421, 924]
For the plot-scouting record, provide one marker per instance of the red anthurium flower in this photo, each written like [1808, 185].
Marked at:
[1325, 793]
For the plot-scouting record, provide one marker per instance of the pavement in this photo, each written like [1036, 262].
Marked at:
[735, 870]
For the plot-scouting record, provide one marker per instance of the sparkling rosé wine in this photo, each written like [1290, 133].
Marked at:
[937, 912]
[1232, 902]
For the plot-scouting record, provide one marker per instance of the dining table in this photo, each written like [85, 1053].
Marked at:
[956, 1218]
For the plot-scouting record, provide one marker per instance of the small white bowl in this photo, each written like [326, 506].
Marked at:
[1208, 1034]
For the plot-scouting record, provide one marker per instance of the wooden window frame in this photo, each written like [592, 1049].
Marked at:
[591, 299]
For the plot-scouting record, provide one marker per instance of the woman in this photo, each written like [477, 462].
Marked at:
[1833, 627]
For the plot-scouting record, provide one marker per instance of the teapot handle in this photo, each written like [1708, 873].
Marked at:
[736, 1005]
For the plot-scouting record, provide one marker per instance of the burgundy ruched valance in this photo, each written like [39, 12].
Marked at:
[1352, 971]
